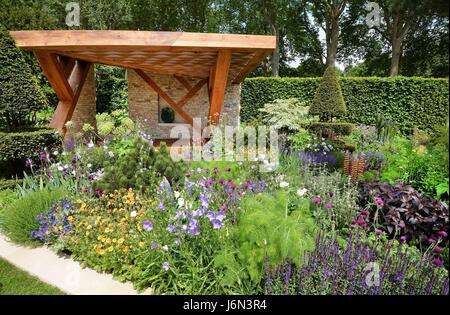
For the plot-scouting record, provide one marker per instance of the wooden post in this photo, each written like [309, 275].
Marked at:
[218, 84]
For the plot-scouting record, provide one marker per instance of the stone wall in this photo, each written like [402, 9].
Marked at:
[144, 104]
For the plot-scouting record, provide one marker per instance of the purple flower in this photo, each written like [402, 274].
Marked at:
[147, 225]
[154, 245]
[29, 162]
[217, 224]
[438, 262]
[443, 234]
[165, 266]
[171, 228]
[162, 206]
[331, 194]
[401, 225]
[177, 241]
[379, 201]
[437, 250]
[316, 199]
[328, 205]
[378, 232]
[403, 238]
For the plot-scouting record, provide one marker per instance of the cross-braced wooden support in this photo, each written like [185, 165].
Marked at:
[217, 84]
[67, 77]
[177, 106]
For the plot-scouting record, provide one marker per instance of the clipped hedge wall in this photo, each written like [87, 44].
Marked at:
[16, 147]
[409, 102]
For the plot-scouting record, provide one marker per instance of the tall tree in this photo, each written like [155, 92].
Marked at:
[400, 18]
[328, 14]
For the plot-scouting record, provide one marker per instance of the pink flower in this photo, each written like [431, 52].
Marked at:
[378, 232]
[437, 250]
[316, 200]
[365, 212]
[328, 205]
[443, 234]
[438, 262]
[360, 222]
[401, 225]
[403, 238]
[379, 201]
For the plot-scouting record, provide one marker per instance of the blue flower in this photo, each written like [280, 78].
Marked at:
[154, 245]
[147, 225]
[165, 266]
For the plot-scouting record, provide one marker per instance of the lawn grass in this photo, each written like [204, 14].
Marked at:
[14, 281]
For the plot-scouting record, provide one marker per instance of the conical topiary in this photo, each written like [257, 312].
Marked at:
[328, 101]
[20, 93]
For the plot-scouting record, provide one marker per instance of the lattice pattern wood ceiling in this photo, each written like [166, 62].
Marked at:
[175, 53]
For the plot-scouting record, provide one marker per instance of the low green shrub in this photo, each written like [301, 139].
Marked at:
[18, 219]
[9, 183]
[279, 226]
[426, 168]
[337, 128]
[140, 166]
[16, 147]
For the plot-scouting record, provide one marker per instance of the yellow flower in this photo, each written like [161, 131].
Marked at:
[110, 249]
[70, 219]
[100, 251]
[125, 248]
[114, 240]
[89, 227]
[108, 241]
[120, 240]
[107, 230]
[141, 244]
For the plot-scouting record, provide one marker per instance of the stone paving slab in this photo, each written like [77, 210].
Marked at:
[62, 272]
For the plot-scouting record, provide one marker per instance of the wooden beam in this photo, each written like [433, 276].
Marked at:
[192, 92]
[165, 97]
[67, 64]
[80, 40]
[219, 84]
[251, 65]
[65, 108]
[55, 74]
[183, 82]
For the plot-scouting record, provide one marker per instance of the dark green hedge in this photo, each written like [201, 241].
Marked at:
[22, 145]
[409, 102]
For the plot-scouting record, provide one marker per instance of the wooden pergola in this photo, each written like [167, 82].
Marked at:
[215, 59]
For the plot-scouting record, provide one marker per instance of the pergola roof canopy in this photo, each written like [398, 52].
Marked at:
[174, 53]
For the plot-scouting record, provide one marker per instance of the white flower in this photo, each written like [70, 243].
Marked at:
[284, 184]
[301, 192]
[111, 153]
[105, 147]
[165, 248]
[73, 173]
[177, 194]
[89, 165]
[133, 214]
[60, 168]
[181, 202]
[55, 152]
[90, 144]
